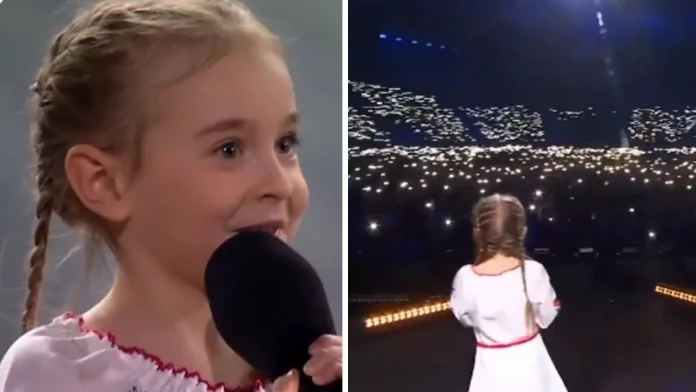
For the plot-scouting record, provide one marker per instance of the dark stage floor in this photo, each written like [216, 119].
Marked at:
[634, 341]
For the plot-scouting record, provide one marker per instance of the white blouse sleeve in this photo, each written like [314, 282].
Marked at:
[543, 297]
[31, 365]
[462, 299]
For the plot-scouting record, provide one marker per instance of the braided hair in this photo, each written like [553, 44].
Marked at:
[500, 228]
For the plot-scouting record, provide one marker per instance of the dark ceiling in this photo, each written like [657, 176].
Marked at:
[528, 45]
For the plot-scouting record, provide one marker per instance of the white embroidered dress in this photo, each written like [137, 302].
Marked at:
[65, 356]
[509, 358]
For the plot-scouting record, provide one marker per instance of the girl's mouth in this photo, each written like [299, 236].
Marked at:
[270, 229]
[276, 228]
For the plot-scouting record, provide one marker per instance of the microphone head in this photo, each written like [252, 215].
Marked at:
[267, 302]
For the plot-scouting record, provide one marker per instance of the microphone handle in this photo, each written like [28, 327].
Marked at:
[307, 385]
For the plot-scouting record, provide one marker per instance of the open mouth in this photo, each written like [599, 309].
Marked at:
[269, 228]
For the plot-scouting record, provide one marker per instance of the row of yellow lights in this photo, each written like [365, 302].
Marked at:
[406, 314]
[425, 310]
[678, 294]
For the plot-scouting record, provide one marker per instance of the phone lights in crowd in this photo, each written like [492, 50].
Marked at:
[678, 294]
[466, 169]
[451, 167]
[374, 226]
[406, 314]
[434, 122]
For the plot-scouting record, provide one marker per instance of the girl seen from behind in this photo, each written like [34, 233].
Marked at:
[506, 299]
[160, 129]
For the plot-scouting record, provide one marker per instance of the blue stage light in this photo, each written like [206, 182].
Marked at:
[385, 36]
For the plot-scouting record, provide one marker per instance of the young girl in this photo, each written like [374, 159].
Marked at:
[161, 128]
[506, 298]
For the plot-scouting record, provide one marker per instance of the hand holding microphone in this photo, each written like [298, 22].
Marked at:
[324, 367]
[269, 305]
[326, 364]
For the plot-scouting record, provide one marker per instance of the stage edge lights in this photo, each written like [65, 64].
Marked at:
[406, 314]
[678, 294]
[426, 310]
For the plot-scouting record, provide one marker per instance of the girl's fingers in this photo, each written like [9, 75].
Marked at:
[324, 341]
[323, 358]
[287, 383]
[328, 374]
[326, 364]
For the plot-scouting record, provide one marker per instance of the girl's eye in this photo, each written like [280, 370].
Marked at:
[288, 144]
[229, 150]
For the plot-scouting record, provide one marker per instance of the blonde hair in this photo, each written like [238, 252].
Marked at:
[499, 228]
[86, 90]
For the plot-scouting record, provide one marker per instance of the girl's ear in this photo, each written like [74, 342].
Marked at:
[97, 179]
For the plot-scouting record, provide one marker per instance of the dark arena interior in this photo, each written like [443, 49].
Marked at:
[584, 110]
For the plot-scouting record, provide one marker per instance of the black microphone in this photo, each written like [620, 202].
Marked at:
[268, 304]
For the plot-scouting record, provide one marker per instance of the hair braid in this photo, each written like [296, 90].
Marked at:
[528, 308]
[37, 259]
[499, 228]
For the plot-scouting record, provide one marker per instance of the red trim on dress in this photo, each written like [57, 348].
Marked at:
[162, 366]
[511, 344]
[497, 273]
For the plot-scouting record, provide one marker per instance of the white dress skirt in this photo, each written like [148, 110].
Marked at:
[509, 357]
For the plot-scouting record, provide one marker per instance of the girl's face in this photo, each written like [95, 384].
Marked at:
[220, 156]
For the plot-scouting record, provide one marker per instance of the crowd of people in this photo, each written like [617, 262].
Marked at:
[384, 116]
[411, 204]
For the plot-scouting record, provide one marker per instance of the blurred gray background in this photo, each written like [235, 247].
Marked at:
[311, 30]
